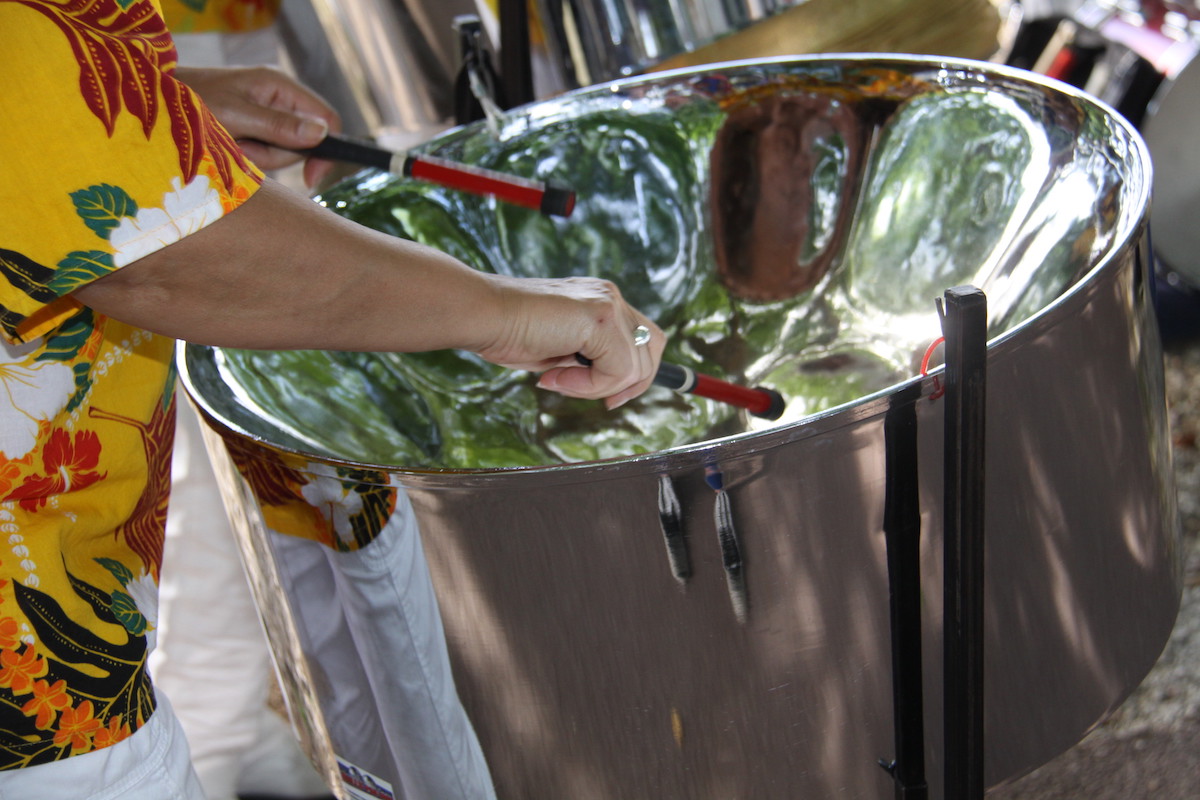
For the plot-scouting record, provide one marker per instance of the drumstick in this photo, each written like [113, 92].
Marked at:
[549, 199]
[759, 401]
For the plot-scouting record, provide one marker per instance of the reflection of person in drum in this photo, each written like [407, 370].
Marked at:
[133, 217]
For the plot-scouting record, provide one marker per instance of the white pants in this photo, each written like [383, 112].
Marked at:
[152, 764]
[212, 658]
[369, 624]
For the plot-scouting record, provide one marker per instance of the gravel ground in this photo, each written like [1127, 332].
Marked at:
[1150, 748]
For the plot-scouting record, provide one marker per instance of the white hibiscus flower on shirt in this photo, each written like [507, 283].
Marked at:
[185, 210]
[30, 391]
[144, 591]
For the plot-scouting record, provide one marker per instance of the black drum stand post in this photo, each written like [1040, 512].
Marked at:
[964, 326]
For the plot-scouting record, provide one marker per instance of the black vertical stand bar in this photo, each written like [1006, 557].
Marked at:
[902, 533]
[516, 64]
[964, 324]
[474, 57]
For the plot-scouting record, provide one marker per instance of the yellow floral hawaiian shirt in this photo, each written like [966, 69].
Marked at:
[104, 158]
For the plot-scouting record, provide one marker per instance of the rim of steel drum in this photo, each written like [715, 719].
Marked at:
[194, 360]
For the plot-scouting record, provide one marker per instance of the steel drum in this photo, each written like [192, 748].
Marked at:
[1170, 132]
[978, 29]
[789, 223]
[387, 66]
[1141, 59]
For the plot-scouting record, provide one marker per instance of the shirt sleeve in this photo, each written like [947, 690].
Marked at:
[107, 156]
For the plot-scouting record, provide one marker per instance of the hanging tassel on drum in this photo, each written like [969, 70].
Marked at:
[731, 551]
[670, 518]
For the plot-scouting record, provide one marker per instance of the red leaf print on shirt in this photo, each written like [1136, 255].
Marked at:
[125, 59]
[69, 465]
[146, 526]
[120, 55]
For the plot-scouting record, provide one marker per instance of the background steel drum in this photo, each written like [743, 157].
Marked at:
[976, 29]
[1140, 58]
[592, 663]
[1170, 132]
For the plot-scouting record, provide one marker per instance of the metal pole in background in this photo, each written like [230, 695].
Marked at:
[387, 66]
[516, 68]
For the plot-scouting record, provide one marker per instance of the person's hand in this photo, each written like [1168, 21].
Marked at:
[263, 106]
[547, 323]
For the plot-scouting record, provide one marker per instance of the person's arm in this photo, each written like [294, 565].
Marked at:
[355, 289]
[281, 272]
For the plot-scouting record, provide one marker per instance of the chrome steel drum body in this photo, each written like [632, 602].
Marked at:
[591, 662]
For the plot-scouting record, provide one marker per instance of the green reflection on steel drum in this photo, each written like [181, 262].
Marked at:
[910, 185]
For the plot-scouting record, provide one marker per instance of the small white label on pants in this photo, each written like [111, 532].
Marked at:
[362, 785]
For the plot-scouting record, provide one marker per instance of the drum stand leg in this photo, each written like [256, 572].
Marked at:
[964, 324]
[902, 533]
